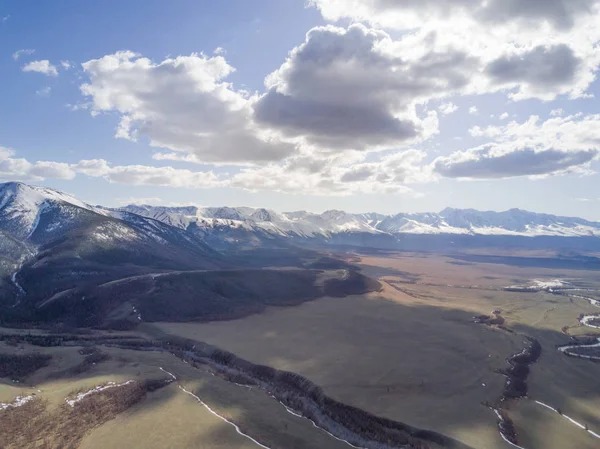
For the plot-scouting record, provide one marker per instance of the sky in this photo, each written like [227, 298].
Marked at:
[361, 105]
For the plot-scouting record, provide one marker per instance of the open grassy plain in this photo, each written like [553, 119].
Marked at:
[166, 417]
[412, 352]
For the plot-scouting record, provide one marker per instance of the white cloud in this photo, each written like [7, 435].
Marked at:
[448, 108]
[478, 131]
[182, 104]
[335, 177]
[220, 51]
[42, 66]
[66, 65]
[503, 161]
[21, 169]
[557, 112]
[357, 89]
[408, 14]
[12, 168]
[23, 52]
[161, 176]
[345, 93]
[533, 49]
[533, 148]
[5, 153]
[147, 175]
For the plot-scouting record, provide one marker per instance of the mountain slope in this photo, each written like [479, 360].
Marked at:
[53, 242]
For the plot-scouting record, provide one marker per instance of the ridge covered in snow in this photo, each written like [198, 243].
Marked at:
[514, 222]
[21, 207]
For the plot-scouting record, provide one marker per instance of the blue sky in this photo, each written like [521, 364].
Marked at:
[356, 119]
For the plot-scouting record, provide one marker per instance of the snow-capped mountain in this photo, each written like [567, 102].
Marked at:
[514, 222]
[46, 234]
[22, 207]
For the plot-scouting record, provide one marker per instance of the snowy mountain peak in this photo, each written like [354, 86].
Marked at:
[22, 206]
[27, 196]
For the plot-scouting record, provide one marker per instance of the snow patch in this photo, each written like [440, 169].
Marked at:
[18, 402]
[99, 388]
[578, 424]
[237, 429]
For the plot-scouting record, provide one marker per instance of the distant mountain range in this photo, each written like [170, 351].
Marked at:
[60, 257]
[31, 215]
[514, 222]
[65, 261]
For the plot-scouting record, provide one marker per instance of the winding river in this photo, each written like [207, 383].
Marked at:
[591, 321]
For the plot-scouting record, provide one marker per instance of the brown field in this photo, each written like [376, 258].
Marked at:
[412, 352]
[166, 418]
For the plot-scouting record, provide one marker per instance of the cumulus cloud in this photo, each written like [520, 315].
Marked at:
[317, 175]
[12, 168]
[490, 162]
[533, 148]
[182, 104]
[357, 89]
[448, 108]
[161, 176]
[339, 115]
[20, 169]
[23, 52]
[406, 14]
[540, 72]
[42, 66]
[539, 49]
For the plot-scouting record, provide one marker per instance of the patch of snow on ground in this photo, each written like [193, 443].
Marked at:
[97, 389]
[18, 402]
[578, 424]
[502, 435]
[548, 284]
[237, 429]
[586, 321]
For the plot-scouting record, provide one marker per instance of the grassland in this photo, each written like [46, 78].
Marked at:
[165, 418]
[411, 352]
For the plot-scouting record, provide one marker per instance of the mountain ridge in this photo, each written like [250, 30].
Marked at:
[515, 222]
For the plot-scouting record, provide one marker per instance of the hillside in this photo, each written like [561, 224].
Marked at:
[52, 242]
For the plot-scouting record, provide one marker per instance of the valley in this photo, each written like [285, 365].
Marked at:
[240, 327]
[412, 351]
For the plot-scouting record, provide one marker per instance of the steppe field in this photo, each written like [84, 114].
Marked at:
[433, 347]
[168, 417]
[413, 353]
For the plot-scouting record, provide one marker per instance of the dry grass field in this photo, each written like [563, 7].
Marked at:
[413, 353]
[165, 418]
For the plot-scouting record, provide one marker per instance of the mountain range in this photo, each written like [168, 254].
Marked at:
[514, 222]
[63, 259]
